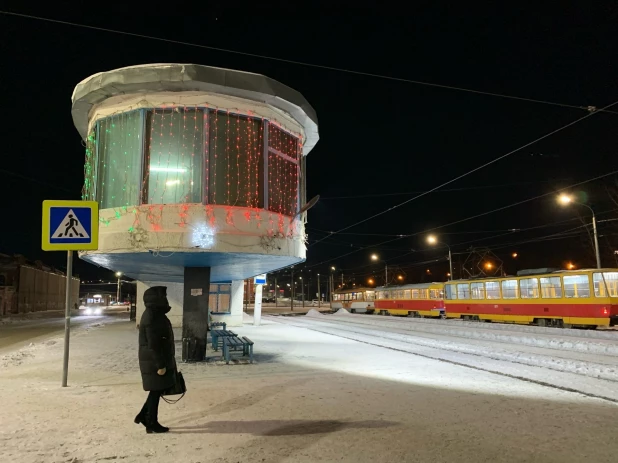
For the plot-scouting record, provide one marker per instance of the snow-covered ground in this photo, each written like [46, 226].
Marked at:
[310, 396]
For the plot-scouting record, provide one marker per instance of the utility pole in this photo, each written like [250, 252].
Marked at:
[292, 290]
[302, 290]
[319, 292]
[118, 275]
[276, 291]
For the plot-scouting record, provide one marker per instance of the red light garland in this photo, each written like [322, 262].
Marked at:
[175, 167]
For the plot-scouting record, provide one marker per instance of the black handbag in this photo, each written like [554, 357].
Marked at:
[179, 387]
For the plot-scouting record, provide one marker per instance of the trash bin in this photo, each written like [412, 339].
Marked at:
[193, 350]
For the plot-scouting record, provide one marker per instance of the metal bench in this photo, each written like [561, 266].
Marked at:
[236, 344]
[217, 337]
[216, 325]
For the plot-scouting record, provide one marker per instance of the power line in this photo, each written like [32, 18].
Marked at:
[446, 190]
[476, 169]
[468, 218]
[591, 109]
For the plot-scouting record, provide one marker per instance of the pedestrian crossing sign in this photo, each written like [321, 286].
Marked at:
[70, 225]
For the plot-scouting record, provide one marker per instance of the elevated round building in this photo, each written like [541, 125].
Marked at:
[199, 173]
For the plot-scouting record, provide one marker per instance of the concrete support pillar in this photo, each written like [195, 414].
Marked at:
[195, 310]
[257, 306]
[236, 303]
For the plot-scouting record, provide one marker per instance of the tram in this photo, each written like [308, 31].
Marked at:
[355, 300]
[568, 298]
[414, 300]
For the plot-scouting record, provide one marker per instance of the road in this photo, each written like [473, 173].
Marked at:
[21, 333]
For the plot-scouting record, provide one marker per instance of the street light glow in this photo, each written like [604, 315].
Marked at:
[488, 265]
[570, 266]
[431, 239]
[370, 281]
[565, 199]
[118, 274]
[374, 257]
[514, 255]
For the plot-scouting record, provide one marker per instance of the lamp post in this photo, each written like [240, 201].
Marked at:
[118, 275]
[376, 258]
[332, 284]
[565, 200]
[319, 292]
[431, 239]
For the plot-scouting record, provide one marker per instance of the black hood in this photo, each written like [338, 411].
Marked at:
[155, 298]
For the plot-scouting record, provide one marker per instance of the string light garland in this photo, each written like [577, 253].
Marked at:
[185, 147]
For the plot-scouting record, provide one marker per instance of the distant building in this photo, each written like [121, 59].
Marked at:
[27, 286]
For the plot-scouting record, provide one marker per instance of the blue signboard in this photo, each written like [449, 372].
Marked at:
[70, 225]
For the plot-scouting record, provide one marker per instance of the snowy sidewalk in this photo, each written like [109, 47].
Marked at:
[309, 397]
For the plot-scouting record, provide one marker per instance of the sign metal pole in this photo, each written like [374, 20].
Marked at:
[67, 319]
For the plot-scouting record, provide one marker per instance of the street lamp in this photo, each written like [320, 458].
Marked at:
[565, 200]
[432, 239]
[376, 258]
[118, 275]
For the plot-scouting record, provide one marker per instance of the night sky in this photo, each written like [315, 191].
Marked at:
[382, 141]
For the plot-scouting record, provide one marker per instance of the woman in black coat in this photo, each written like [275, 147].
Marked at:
[157, 361]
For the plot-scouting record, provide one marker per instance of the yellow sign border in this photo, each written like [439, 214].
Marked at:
[94, 226]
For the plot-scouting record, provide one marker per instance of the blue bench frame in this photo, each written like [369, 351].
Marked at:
[212, 324]
[217, 337]
[236, 344]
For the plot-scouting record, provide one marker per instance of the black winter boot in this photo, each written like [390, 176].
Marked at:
[140, 418]
[156, 428]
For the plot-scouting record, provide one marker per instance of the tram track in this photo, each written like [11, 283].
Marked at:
[577, 375]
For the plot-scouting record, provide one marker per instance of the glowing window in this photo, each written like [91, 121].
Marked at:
[510, 289]
[119, 160]
[477, 290]
[576, 286]
[463, 291]
[551, 287]
[529, 288]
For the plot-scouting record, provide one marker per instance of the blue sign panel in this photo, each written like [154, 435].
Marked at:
[70, 225]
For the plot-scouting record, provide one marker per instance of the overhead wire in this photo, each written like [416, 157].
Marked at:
[476, 169]
[468, 218]
[445, 190]
[303, 63]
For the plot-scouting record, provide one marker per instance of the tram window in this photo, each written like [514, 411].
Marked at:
[424, 293]
[477, 290]
[509, 289]
[370, 296]
[492, 290]
[434, 294]
[450, 292]
[576, 286]
[551, 288]
[529, 288]
[406, 294]
[415, 294]
[605, 284]
[463, 291]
